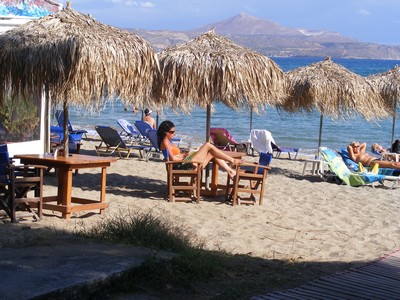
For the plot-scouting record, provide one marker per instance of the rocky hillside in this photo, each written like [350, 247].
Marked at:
[272, 39]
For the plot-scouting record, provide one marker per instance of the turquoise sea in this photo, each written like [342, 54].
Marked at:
[288, 130]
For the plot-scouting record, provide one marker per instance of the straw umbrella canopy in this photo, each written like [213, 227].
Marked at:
[333, 91]
[75, 59]
[388, 84]
[212, 68]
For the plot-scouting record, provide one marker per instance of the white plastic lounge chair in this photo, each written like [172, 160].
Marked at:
[128, 130]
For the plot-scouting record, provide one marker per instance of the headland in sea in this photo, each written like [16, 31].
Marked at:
[295, 130]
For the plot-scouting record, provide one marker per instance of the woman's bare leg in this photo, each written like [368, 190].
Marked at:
[387, 164]
[215, 152]
[222, 163]
[208, 151]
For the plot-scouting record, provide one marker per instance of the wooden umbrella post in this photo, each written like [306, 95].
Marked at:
[65, 129]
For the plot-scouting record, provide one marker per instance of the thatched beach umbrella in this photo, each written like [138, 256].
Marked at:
[333, 91]
[212, 68]
[75, 60]
[388, 84]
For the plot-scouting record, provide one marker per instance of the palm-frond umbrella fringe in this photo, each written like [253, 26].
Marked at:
[76, 58]
[333, 91]
[388, 84]
[212, 68]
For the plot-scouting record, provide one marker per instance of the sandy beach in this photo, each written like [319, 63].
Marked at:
[303, 218]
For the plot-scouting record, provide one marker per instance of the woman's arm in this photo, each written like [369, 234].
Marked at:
[351, 153]
[363, 147]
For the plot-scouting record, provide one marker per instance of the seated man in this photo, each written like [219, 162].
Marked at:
[358, 154]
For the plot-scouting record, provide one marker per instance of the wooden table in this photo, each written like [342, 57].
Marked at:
[64, 166]
[215, 188]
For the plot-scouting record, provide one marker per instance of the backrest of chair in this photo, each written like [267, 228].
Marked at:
[4, 163]
[143, 127]
[265, 160]
[221, 137]
[127, 127]
[351, 164]
[60, 120]
[165, 154]
[152, 134]
[336, 164]
[261, 140]
[110, 136]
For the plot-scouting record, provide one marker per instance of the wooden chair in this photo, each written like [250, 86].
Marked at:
[183, 185]
[16, 182]
[255, 174]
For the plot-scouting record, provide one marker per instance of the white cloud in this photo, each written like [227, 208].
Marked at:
[137, 4]
[131, 3]
[364, 12]
[147, 4]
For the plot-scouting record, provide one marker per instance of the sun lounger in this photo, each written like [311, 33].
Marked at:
[111, 141]
[128, 130]
[337, 166]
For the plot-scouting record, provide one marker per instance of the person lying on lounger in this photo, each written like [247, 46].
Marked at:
[377, 148]
[358, 153]
[203, 155]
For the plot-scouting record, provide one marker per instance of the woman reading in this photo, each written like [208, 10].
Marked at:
[203, 155]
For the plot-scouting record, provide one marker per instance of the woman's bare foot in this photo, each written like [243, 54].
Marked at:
[232, 173]
[237, 161]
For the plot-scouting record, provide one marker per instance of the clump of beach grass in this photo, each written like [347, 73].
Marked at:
[190, 262]
[194, 272]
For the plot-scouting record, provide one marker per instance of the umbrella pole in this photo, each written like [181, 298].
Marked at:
[65, 129]
[47, 121]
[394, 120]
[208, 125]
[251, 118]
[320, 134]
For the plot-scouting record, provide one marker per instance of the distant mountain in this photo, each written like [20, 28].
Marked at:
[274, 40]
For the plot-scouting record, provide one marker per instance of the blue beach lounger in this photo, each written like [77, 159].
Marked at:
[60, 120]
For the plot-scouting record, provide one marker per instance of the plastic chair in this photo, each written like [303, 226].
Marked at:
[128, 130]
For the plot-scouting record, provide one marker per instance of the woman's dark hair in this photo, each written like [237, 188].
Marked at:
[164, 127]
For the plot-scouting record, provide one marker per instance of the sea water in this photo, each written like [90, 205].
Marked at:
[295, 130]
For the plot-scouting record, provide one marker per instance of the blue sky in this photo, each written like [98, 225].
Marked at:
[376, 21]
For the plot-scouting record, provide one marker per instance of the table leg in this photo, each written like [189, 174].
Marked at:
[65, 190]
[103, 187]
[214, 179]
